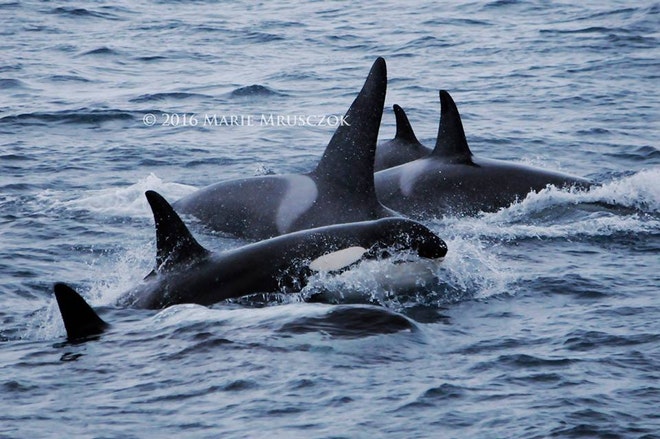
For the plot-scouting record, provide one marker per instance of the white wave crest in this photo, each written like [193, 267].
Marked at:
[128, 201]
[638, 191]
[467, 272]
[625, 205]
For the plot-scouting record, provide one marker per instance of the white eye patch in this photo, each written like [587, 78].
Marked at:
[337, 260]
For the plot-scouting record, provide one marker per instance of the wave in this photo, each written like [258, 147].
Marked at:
[255, 90]
[125, 201]
[640, 191]
[68, 78]
[628, 204]
[7, 83]
[78, 116]
[157, 97]
[150, 58]
[644, 153]
[100, 51]
[399, 283]
[259, 37]
[82, 13]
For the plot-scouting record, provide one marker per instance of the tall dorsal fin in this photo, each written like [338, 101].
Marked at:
[349, 157]
[404, 130]
[80, 320]
[451, 143]
[175, 244]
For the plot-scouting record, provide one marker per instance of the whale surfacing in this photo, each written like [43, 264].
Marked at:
[340, 189]
[403, 148]
[451, 180]
[186, 272]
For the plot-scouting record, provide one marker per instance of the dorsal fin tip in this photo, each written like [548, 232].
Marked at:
[404, 130]
[352, 149]
[451, 143]
[174, 242]
[447, 103]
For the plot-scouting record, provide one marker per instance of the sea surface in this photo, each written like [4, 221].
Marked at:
[543, 321]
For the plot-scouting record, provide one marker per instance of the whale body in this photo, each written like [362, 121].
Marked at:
[452, 181]
[186, 272]
[339, 190]
[403, 148]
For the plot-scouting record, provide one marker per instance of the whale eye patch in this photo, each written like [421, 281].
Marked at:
[337, 260]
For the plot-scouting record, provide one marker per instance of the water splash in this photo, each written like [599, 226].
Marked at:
[625, 205]
[468, 271]
[111, 278]
[45, 324]
[128, 201]
[639, 191]
[471, 269]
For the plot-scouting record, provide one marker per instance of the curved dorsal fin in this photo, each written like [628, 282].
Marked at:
[404, 130]
[451, 143]
[349, 157]
[80, 320]
[175, 244]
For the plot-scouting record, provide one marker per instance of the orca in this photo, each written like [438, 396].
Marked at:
[403, 148]
[452, 181]
[339, 190]
[186, 272]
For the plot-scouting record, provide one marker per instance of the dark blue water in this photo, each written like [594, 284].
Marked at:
[544, 319]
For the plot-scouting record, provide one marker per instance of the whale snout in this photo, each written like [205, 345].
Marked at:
[422, 240]
[431, 246]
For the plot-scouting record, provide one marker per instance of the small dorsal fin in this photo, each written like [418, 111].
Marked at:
[175, 244]
[80, 320]
[404, 130]
[349, 157]
[451, 143]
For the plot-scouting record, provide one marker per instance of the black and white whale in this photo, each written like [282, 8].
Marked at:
[452, 181]
[186, 272]
[403, 148]
[339, 190]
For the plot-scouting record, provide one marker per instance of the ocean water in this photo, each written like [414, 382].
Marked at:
[542, 321]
